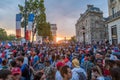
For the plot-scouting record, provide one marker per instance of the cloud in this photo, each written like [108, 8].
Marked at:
[64, 13]
[8, 11]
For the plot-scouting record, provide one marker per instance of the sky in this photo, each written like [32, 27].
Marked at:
[64, 13]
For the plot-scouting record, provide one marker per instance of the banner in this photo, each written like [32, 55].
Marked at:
[30, 25]
[18, 25]
[18, 33]
[28, 35]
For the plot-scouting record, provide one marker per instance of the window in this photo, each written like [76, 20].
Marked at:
[86, 22]
[114, 31]
[111, 1]
[114, 34]
[113, 11]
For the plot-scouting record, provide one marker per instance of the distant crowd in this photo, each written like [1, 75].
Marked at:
[64, 61]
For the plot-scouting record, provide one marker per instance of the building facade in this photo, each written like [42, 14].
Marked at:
[54, 31]
[113, 21]
[91, 25]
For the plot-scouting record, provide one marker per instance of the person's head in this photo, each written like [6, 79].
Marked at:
[13, 63]
[115, 73]
[99, 62]
[109, 51]
[112, 63]
[47, 63]
[117, 63]
[38, 76]
[92, 58]
[75, 63]
[98, 56]
[19, 60]
[66, 72]
[4, 62]
[87, 57]
[96, 71]
[5, 75]
[59, 65]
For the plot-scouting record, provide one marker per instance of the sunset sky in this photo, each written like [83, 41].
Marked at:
[64, 13]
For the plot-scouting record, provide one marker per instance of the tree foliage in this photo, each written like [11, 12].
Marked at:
[73, 39]
[3, 34]
[37, 8]
[11, 37]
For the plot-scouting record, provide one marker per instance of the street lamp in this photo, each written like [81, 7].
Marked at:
[25, 19]
[83, 30]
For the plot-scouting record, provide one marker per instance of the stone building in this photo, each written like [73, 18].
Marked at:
[113, 21]
[91, 25]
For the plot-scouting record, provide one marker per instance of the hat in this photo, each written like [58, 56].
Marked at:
[16, 71]
[75, 62]
[66, 60]
[59, 64]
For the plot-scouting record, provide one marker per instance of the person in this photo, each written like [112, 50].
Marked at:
[24, 68]
[4, 64]
[58, 75]
[79, 73]
[49, 71]
[97, 73]
[5, 75]
[66, 72]
[38, 76]
[115, 73]
[16, 72]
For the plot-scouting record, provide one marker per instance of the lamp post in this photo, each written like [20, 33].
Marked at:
[25, 23]
[83, 29]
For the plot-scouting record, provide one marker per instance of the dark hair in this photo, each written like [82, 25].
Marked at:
[20, 58]
[38, 76]
[118, 63]
[97, 69]
[4, 62]
[115, 73]
[57, 57]
[13, 63]
[111, 63]
[4, 74]
[64, 70]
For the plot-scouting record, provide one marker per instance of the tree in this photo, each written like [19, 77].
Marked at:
[3, 34]
[37, 8]
[11, 37]
[73, 39]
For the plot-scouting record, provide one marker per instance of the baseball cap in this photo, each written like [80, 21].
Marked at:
[59, 64]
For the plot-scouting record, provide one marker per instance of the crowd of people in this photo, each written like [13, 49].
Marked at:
[65, 61]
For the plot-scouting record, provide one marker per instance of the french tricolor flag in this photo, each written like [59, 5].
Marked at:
[8, 45]
[2, 44]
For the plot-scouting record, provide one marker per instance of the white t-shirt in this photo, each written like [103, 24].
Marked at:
[58, 76]
[100, 78]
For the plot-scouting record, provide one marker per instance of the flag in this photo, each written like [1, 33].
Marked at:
[28, 35]
[18, 25]
[8, 45]
[30, 24]
[2, 44]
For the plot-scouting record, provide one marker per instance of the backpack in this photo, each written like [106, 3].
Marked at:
[107, 78]
[82, 76]
[26, 72]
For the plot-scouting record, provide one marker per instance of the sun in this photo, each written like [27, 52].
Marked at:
[58, 39]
